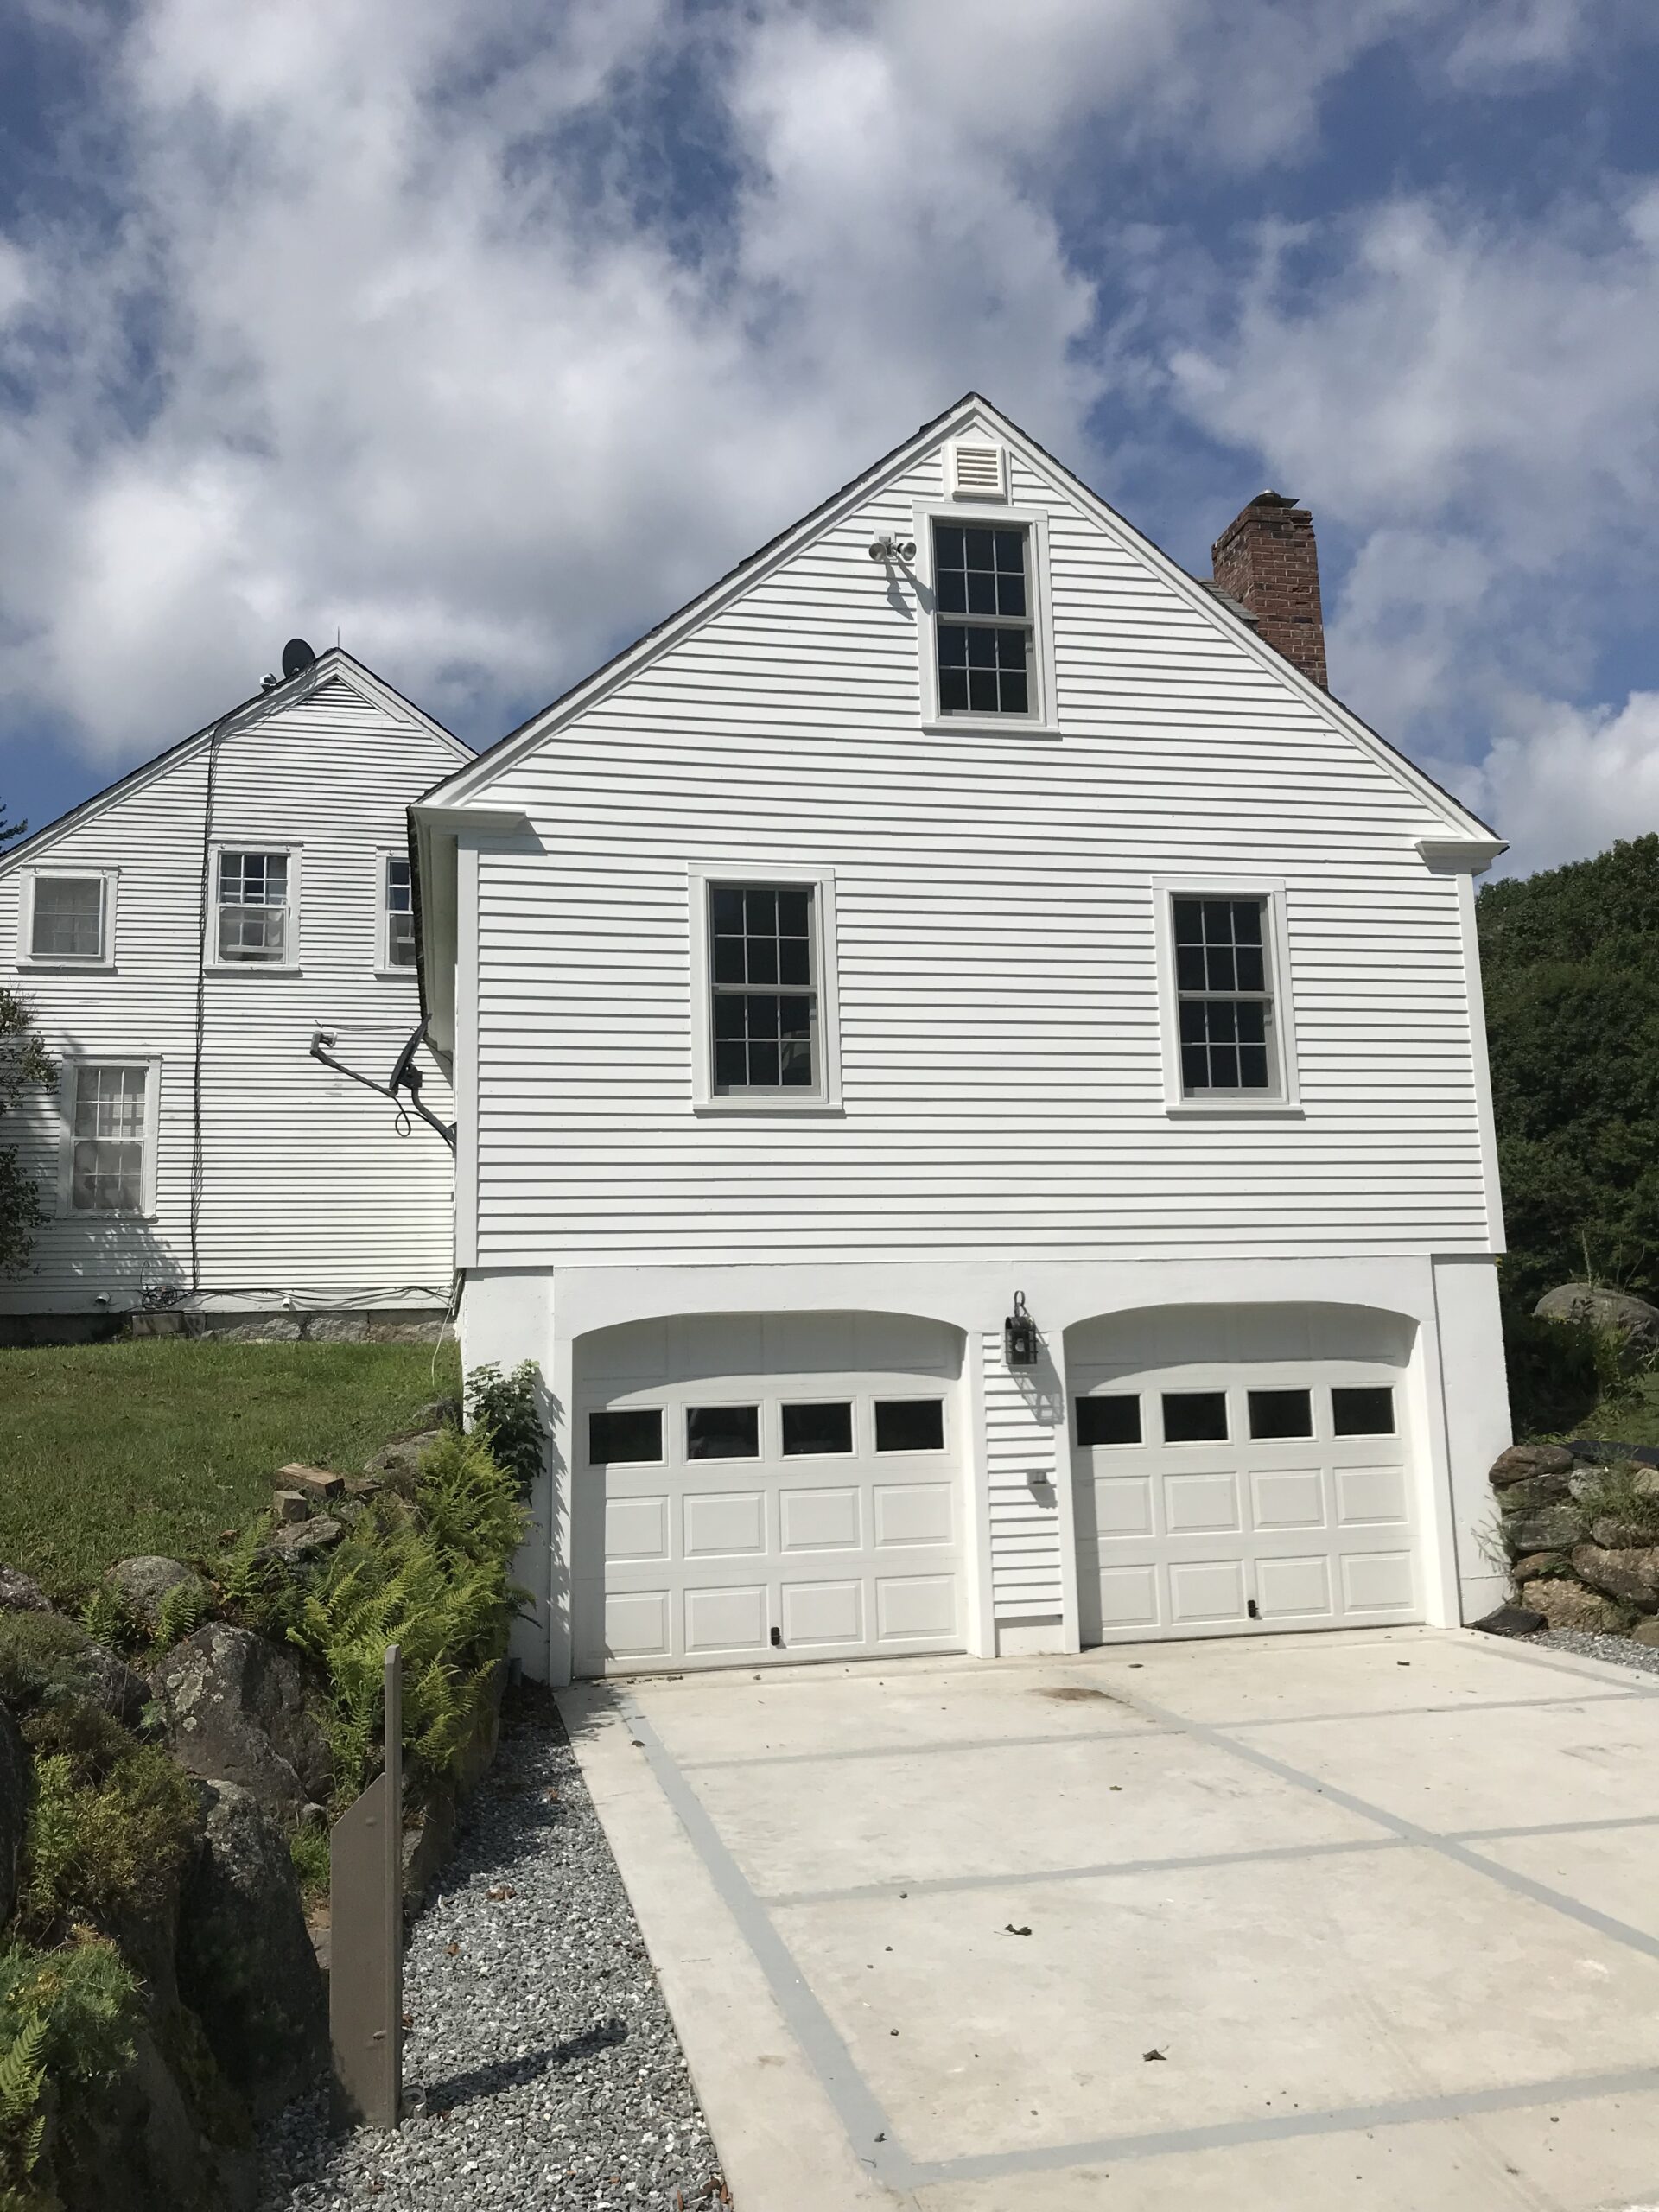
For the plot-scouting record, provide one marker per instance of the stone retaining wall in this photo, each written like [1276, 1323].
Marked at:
[1580, 1526]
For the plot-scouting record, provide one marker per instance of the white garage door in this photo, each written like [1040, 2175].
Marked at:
[1243, 1469]
[766, 1488]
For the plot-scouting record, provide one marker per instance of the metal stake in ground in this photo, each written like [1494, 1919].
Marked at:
[365, 1970]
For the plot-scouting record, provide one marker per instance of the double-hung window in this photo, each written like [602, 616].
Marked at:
[763, 971]
[109, 1135]
[1228, 1039]
[254, 914]
[69, 920]
[399, 914]
[983, 628]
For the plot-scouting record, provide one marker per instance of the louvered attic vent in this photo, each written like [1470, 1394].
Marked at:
[978, 472]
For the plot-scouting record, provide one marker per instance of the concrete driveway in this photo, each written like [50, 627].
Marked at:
[1365, 1920]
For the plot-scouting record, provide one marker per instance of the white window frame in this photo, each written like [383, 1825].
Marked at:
[982, 514]
[384, 964]
[1283, 1097]
[63, 963]
[289, 964]
[825, 1096]
[69, 1076]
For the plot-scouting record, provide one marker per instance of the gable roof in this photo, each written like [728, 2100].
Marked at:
[333, 665]
[458, 789]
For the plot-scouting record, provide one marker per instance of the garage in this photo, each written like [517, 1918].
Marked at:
[1239, 1469]
[764, 1488]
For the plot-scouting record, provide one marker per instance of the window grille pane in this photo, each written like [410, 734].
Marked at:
[1195, 1416]
[632, 1438]
[985, 667]
[1221, 982]
[910, 1424]
[1280, 1413]
[765, 999]
[1109, 1421]
[68, 918]
[811, 1431]
[107, 1170]
[723, 1433]
[1365, 1410]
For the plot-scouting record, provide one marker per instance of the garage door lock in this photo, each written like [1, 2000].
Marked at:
[777, 1639]
[1252, 1608]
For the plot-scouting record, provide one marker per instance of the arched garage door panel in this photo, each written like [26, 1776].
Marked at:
[753, 1488]
[1239, 1469]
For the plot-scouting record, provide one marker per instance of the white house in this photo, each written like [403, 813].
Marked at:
[183, 935]
[959, 918]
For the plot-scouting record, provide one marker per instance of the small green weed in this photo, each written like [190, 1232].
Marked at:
[308, 1849]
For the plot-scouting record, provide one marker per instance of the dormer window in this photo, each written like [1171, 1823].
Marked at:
[985, 660]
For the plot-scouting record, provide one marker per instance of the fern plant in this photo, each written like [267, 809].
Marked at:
[66, 2017]
[22, 2077]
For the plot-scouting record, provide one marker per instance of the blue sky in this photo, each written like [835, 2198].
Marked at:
[485, 335]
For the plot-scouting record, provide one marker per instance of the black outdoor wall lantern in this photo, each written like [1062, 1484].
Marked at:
[1020, 1334]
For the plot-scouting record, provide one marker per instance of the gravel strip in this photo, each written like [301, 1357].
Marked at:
[1618, 1649]
[540, 2064]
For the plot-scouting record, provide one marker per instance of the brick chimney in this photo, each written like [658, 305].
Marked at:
[1267, 559]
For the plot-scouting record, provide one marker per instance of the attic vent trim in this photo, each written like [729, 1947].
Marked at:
[978, 472]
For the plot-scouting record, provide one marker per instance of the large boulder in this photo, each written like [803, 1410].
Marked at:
[149, 1581]
[235, 1711]
[1632, 1320]
[1629, 1573]
[399, 1461]
[1569, 1604]
[1555, 1528]
[14, 1808]
[1541, 1464]
[245, 1959]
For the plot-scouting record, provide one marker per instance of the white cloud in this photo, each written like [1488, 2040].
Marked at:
[1566, 781]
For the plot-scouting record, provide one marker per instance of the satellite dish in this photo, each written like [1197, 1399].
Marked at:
[297, 657]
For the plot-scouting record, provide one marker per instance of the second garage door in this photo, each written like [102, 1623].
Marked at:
[1243, 1469]
[752, 1489]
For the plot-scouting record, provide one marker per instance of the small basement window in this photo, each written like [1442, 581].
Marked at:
[1113, 1419]
[1366, 1410]
[253, 909]
[632, 1436]
[68, 919]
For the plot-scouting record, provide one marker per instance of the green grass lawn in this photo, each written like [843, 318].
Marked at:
[108, 1449]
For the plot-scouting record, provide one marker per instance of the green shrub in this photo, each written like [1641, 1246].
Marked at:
[41, 1658]
[111, 1824]
[504, 1413]
[429, 1573]
[65, 2015]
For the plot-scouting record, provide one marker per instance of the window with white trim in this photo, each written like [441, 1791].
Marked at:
[253, 908]
[109, 1135]
[69, 919]
[399, 901]
[984, 629]
[764, 984]
[1224, 995]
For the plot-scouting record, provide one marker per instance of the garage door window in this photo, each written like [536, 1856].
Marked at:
[1195, 1416]
[1109, 1421]
[814, 1431]
[723, 1433]
[1363, 1412]
[910, 1424]
[1281, 1413]
[632, 1438]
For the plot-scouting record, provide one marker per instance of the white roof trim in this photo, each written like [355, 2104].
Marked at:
[971, 410]
[335, 664]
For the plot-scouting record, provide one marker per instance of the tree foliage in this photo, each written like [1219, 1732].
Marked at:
[24, 1062]
[1571, 964]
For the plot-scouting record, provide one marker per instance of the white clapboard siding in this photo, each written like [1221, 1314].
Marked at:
[306, 1190]
[1000, 1030]
[1020, 1467]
